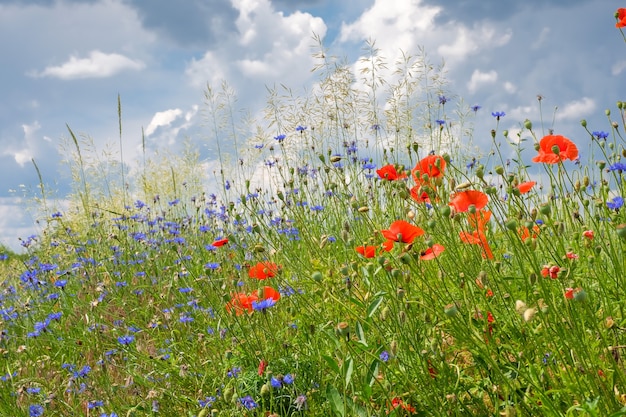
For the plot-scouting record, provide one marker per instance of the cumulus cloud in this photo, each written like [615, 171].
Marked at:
[576, 109]
[618, 67]
[270, 47]
[163, 118]
[97, 65]
[480, 78]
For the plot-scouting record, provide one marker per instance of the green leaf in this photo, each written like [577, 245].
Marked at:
[374, 306]
[360, 333]
[348, 365]
[372, 372]
[335, 401]
[332, 363]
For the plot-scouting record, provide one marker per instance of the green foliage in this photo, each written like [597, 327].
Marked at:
[155, 292]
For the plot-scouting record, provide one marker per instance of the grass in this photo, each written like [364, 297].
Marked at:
[451, 285]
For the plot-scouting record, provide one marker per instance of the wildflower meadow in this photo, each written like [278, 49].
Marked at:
[354, 252]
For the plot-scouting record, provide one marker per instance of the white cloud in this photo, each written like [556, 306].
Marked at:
[97, 65]
[576, 109]
[480, 78]
[271, 47]
[618, 67]
[162, 118]
[509, 87]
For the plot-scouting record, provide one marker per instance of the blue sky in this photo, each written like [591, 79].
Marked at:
[66, 61]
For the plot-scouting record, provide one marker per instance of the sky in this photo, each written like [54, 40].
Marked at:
[66, 62]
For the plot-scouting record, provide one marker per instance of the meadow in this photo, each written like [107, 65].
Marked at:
[354, 253]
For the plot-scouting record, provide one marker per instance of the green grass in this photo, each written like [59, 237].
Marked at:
[124, 305]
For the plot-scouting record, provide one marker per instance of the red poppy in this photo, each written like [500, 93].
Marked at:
[389, 172]
[387, 245]
[432, 252]
[569, 293]
[526, 186]
[263, 270]
[464, 199]
[367, 251]
[525, 233]
[268, 292]
[262, 366]
[420, 197]
[433, 166]
[588, 234]
[479, 219]
[621, 18]
[556, 148]
[402, 231]
[550, 271]
[478, 238]
[397, 402]
[240, 303]
[220, 242]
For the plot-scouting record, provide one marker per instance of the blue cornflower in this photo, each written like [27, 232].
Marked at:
[33, 390]
[616, 203]
[95, 404]
[440, 122]
[317, 208]
[384, 356]
[369, 165]
[57, 215]
[475, 108]
[276, 383]
[280, 138]
[185, 290]
[173, 202]
[185, 318]
[35, 410]
[618, 166]
[234, 372]
[248, 402]
[300, 128]
[498, 114]
[600, 134]
[126, 340]
[207, 402]
[443, 100]
[263, 305]
[288, 379]
[139, 204]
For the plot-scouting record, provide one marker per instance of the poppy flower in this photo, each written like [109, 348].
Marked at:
[367, 251]
[418, 194]
[389, 172]
[240, 303]
[263, 270]
[397, 402]
[267, 293]
[526, 186]
[556, 148]
[477, 237]
[387, 245]
[464, 199]
[432, 252]
[550, 271]
[432, 165]
[525, 233]
[479, 219]
[220, 242]
[402, 231]
[588, 234]
[621, 18]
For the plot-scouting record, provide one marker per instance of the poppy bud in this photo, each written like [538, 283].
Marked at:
[335, 158]
[265, 389]
[228, 393]
[583, 123]
[601, 164]
[615, 125]
[400, 293]
[446, 157]
[463, 186]
[317, 276]
[445, 211]
[511, 224]
[545, 209]
[493, 133]
[607, 112]
[384, 314]
[577, 185]
[580, 294]
[499, 170]
[528, 124]
[343, 329]
[363, 209]
[406, 259]
[451, 310]
[505, 133]
[480, 172]
[620, 105]
[471, 209]
[621, 231]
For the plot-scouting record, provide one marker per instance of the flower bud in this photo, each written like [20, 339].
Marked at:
[499, 170]
[583, 123]
[451, 310]
[528, 124]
